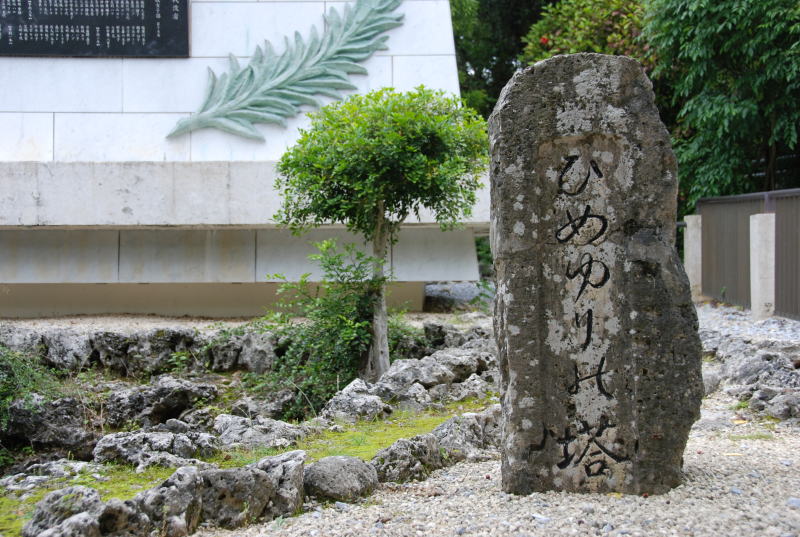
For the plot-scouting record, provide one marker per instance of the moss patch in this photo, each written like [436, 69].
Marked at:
[119, 481]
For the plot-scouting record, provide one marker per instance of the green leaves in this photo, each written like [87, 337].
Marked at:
[735, 69]
[602, 26]
[404, 152]
[272, 87]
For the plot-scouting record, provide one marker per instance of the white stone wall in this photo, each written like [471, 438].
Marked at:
[120, 110]
[100, 212]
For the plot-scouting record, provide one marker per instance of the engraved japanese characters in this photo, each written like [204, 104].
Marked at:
[599, 353]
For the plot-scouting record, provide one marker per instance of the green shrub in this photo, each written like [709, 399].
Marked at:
[404, 339]
[325, 352]
[21, 376]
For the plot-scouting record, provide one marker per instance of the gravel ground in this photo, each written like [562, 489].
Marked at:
[741, 480]
[736, 322]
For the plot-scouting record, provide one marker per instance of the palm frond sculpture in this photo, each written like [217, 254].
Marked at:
[271, 88]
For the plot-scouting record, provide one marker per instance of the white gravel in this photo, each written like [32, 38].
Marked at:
[739, 323]
[742, 478]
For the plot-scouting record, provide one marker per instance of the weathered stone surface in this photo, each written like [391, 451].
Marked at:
[340, 478]
[597, 335]
[355, 402]
[250, 407]
[409, 459]
[145, 449]
[256, 432]
[471, 436]
[55, 424]
[286, 471]
[150, 405]
[79, 512]
[174, 507]
[232, 498]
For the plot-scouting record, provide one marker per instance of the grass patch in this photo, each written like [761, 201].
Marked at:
[362, 439]
[752, 436]
[740, 405]
[120, 482]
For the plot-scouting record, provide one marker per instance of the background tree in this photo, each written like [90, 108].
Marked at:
[371, 161]
[735, 67]
[488, 37]
[601, 26]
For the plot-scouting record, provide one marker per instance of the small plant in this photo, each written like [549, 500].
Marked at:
[403, 338]
[22, 376]
[740, 405]
[326, 352]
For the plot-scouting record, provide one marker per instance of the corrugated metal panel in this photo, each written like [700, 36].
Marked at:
[726, 247]
[787, 256]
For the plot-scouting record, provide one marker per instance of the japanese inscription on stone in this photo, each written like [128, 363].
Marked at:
[94, 28]
[597, 336]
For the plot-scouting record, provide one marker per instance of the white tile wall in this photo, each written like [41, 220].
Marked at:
[25, 136]
[60, 85]
[118, 137]
[19, 195]
[167, 85]
[93, 109]
[220, 29]
[432, 71]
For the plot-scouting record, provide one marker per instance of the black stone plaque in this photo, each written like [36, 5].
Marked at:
[132, 28]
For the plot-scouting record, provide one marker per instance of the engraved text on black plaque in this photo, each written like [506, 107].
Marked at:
[94, 28]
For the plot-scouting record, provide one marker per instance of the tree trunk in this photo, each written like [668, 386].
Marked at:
[378, 359]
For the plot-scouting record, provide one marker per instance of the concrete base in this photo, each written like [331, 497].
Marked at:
[762, 265]
[693, 254]
[169, 299]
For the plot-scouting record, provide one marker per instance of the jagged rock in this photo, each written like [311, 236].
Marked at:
[174, 507]
[198, 419]
[232, 498]
[78, 511]
[340, 478]
[442, 367]
[763, 367]
[403, 373]
[415, 398]
[112, 351]
[286, 471]
[475, 387]
[261, 432]
[250, 407]
[471, 436]
[443, 335]
[252, 351]
[784, 406]
[66, 350]
[141, 353]
[150, 405]
[409, 459]
[258, 352]
[49, 424]
[145, 449]
[355, 402]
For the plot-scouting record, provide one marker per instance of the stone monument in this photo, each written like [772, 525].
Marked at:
[597, 334]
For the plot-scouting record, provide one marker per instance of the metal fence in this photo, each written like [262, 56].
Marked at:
[726, 247]
[787, 254]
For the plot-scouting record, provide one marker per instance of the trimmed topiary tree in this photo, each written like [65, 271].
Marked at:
[371, 161]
